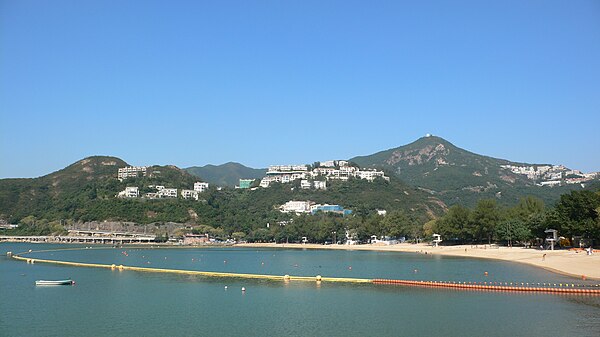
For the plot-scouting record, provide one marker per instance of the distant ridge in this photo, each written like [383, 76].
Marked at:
[227, 174]
[458, 176]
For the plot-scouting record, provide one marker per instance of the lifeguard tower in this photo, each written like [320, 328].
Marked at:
[437, 238]
[551, 237]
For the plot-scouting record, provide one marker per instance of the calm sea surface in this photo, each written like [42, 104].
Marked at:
[127, 303]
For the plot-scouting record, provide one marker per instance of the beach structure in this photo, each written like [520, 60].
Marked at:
[552, 237]
[437, 238]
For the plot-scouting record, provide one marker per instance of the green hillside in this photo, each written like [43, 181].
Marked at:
[227, 174]
[72, 192]
[86, 191]
[458, 176]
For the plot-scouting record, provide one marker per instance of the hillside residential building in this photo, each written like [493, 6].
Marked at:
[245, 183]
[129, 192]
[167, 193]
[131, 172]
[162, 192]
[200, 187]
[550, 183]
[305, 184]
[555, 175]
[329, 209]
[190, 194]
[329, 170]
[317, 185]
[296, 207]
[320, 185]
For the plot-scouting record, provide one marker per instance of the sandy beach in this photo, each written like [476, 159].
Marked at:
[568, 262]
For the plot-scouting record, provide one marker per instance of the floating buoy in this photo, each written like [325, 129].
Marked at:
[225, 261]
[243, 289]
[416, 271]
[225, 287]
[349, 267]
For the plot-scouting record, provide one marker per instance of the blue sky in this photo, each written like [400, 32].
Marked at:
[273, 82]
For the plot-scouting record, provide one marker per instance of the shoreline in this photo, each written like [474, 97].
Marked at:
[576, 264]
[566, 262]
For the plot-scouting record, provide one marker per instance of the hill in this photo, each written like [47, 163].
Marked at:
[458, 176]
[227, 174]
[71, 192]
[86, 191]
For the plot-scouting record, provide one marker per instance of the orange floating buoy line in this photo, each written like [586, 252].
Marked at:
[563, 288]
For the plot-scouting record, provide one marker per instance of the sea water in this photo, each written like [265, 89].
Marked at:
[127, 303]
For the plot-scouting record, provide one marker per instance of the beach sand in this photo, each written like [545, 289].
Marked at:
[568, 262]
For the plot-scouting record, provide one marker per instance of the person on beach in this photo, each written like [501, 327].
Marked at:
[544, 257]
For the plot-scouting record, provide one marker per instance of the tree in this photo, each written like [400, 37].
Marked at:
[512, 230]
[577, 213]
[396, 224]
[485, 217]
[456, 224]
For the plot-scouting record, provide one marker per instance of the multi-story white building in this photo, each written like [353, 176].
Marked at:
[288, 173]
[167, 193]
[200, 187]
[131, 172]
[296, 207]
[550, 183]
[371, 175]
[329, 163]
[305, 184]
[190, 194]
[320, 185]
[129, 192]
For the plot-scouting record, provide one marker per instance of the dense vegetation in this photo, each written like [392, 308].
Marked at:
[40, 206]
[576, 215]
[85, 191]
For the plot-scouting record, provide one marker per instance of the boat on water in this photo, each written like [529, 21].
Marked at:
[54, 283]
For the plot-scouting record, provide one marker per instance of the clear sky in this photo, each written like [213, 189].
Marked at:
[282, 82]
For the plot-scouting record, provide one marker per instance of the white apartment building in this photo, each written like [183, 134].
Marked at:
[131, 172]
[296, 206]
[320, 185]
[289, 173]
[190, 194]
[129, 192]
[167, 193]
[200, 187]
[371, 175]
[329, 163]
[305, 184]
[550, 183]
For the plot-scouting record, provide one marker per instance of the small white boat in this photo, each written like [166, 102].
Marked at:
[54, 283]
